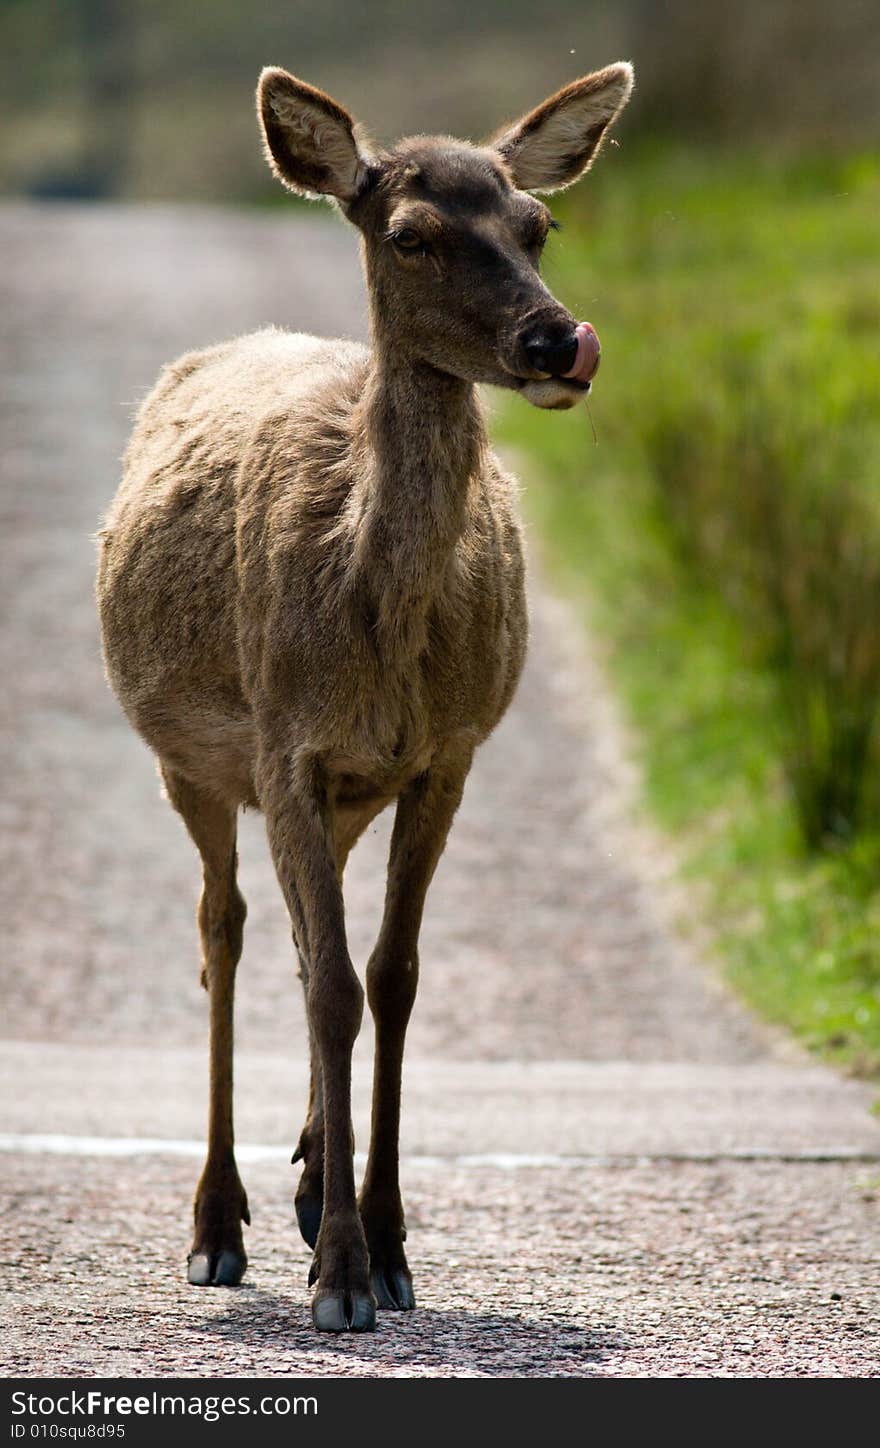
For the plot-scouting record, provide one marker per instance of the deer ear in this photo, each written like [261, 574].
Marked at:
[556, 142]
[309, 140]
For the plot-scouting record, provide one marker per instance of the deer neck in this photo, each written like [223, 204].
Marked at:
[422, 438]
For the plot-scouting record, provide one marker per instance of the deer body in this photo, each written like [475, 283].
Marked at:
[388, 613]
[311, 593]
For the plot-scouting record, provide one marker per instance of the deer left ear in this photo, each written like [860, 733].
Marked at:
[556, 142]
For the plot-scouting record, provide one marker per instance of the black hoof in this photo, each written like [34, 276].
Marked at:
[344, 1311]
[393, 1290]
[308, 1215]
[216, 1269]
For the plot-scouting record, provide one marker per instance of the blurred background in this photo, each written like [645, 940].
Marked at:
[722, 536]
[152, 99]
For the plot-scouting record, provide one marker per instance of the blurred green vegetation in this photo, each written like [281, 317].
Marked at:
[725, 537]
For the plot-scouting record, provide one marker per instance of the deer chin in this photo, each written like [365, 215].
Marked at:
[555, 393]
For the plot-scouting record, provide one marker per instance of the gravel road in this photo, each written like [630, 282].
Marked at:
[611, 1168]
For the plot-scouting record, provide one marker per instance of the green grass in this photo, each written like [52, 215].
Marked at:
[724, 539]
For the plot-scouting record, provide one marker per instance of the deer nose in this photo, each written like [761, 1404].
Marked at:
[551, 354]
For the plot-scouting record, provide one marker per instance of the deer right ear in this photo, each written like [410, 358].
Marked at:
[309, 140]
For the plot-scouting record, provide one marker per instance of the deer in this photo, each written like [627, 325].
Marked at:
[311, 592]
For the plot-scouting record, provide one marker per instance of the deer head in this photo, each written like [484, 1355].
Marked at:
[453, 233]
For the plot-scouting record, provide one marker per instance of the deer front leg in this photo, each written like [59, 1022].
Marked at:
[349, 825]
[424, 815]
[293, 795]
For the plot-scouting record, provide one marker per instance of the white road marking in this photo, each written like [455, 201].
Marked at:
[36, 1144]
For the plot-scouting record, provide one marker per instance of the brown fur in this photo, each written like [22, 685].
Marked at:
[311, 592]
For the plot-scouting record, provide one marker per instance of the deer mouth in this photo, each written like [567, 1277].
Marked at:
[555, 393]
[555, 388]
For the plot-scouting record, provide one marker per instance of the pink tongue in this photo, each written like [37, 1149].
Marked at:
[587, 360]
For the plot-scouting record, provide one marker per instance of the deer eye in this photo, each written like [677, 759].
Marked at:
[552, 225]
[407, 240]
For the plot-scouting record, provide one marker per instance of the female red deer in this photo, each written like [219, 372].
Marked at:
[311, 591]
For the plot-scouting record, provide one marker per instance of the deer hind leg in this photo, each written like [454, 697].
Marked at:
[309, 1199]
[217, 1258]
[424, 815]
